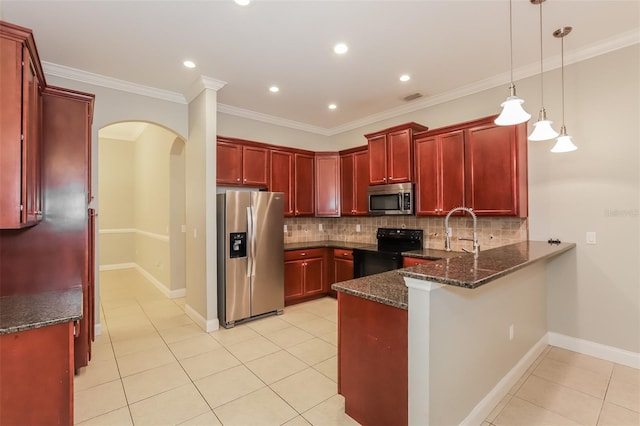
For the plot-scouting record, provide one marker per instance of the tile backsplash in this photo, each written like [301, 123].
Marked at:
[492, 231]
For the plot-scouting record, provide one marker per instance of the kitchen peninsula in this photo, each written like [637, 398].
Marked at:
[441, 343]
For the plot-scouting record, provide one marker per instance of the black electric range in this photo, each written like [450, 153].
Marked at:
[386, 256]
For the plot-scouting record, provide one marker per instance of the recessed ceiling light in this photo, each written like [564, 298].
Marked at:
[274, 89]
[340, 48]
[243, 2]
[189, 64]
[333, 106]
[405, 77]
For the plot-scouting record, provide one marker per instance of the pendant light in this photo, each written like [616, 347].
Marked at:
[512, 111]
[542, 129]
[563, 143]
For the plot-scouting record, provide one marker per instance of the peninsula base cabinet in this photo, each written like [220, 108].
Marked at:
[372, 361]
[36, 373]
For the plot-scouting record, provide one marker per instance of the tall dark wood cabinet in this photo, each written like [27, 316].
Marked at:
[327, 184]
[66, 122]
[354, 181]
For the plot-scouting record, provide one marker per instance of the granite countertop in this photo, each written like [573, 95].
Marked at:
[328, 244]
[458, 269]
[22, 312]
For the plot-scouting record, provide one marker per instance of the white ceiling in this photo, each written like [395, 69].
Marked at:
[450, 48]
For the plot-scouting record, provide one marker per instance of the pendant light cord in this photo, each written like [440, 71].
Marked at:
[511, 42]
[541, 59]
[562, 67]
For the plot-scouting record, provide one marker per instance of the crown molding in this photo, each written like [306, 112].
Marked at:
[111, 83]
[271, 119]
[602, 47]
[203, 83]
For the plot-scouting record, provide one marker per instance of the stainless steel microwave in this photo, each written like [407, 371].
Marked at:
[396, 198]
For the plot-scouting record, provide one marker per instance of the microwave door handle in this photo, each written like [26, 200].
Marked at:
[400, 201]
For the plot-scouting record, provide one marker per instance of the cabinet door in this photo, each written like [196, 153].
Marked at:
[378, 160]
[314, 276]
[327, 181]
[228, 163]
[36, 373]
[400, 157]
[255, 166]
[293, 279]
[452, 171]
[361, 182]
[281, 179]
[304, 185]
[491, 170]
[347, 187]
[427, 176]
[342, 269]
[32, 147]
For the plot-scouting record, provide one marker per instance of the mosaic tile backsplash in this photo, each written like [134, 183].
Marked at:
[492, 231]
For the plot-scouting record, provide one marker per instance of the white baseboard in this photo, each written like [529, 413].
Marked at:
[203, 323]
[114, 266]
[598, 350]
[175, 294]
[500, 390]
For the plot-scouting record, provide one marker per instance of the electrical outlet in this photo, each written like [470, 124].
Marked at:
[183, 228]
[320, 227]
[511, 332]
[358, 229]
[285, 228]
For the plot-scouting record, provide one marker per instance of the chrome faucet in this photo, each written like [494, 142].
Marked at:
[448, 233]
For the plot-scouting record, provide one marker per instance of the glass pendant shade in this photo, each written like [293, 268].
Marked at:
[542, 129]
[512, 112]
[563, 143]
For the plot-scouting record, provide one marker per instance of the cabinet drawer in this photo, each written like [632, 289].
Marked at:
[342, 254]
[303, 254]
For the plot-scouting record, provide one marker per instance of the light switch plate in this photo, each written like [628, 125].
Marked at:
[591, 237]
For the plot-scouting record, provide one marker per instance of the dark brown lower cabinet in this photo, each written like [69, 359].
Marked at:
[372, 361]
[304, 275]
[36, 374]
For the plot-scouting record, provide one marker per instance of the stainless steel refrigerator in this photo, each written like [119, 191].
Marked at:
[250, 255]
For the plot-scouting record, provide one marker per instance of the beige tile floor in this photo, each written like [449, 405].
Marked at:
[152, 365]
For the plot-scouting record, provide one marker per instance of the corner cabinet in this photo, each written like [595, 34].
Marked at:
[20, 139]
[354, 181]
[391, 154]
[496, 167]
[327, 182]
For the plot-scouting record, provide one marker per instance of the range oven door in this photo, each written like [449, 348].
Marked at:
[366, 262]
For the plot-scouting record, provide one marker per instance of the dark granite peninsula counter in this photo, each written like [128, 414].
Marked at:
[447, 339]
[29, 311]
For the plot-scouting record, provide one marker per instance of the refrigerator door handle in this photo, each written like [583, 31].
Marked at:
[254, 231]
[250, 232]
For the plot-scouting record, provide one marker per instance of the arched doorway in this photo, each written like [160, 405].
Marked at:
[141, 203]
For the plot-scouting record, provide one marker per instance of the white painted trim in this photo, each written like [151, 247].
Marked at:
[500, 390]
[203, 323]
[598, 350]
[111, 83]
[160, 237]
[117, 231]
[97, 329]
[115, 266]
[171, 294]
